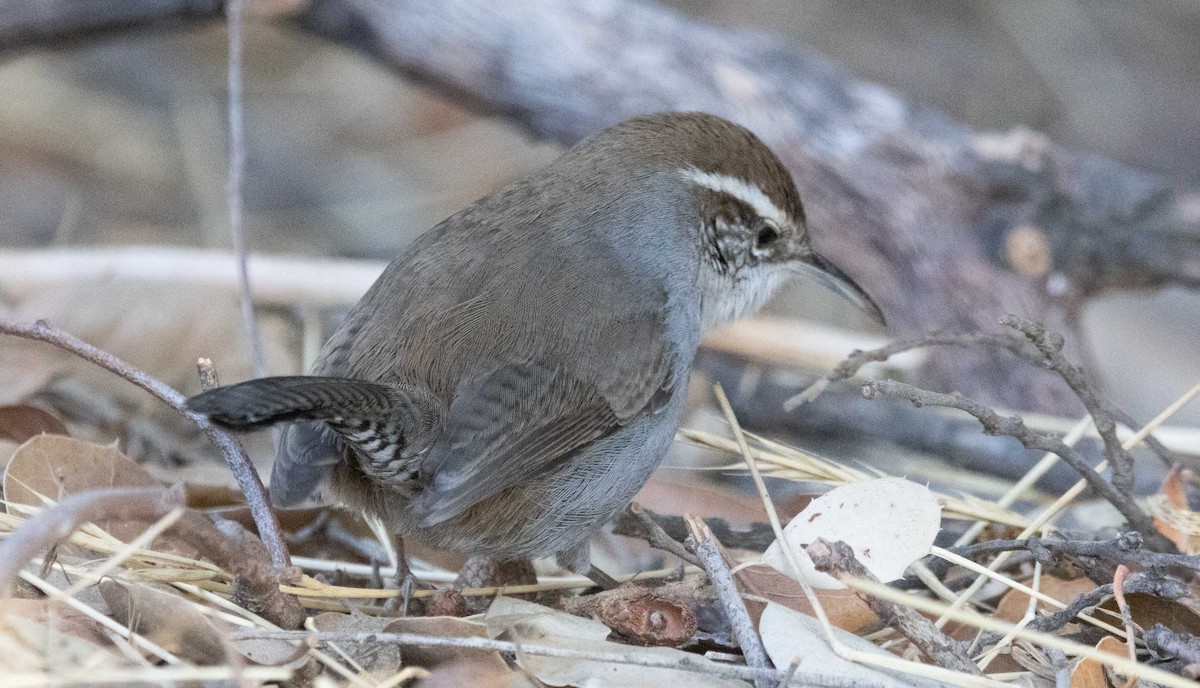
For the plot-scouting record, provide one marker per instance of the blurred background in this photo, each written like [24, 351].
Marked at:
[120, 140]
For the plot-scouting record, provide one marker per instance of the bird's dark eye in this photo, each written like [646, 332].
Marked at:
[766, 236]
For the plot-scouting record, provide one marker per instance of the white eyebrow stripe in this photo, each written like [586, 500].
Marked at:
[740, 189]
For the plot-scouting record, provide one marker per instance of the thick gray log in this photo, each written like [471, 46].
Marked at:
[948, 229]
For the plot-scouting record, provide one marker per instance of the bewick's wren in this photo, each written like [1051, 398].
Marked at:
[514, 376]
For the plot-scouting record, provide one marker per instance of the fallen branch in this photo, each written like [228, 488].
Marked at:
[879, 175]
[704, 545]
[1013, 426]
[1126, 549]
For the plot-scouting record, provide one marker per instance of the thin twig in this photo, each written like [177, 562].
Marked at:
[790, 556]
[243, 471]
[1062, 668]
[257, 501]
[1046, 352]
[1126, 549]
[1050, 345]
[1013, 426]
[640, 523]
[859, 358]
[702, 542]
[235, 11]
[928, 606]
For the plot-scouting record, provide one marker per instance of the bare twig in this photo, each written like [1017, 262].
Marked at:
[1126, 549]
[1164, 641]
[1013, 426]
[1046, 352]
[702, 542]
[837, 559]
[637, 522]
[235, 11]
[1050, 345]
[243, 471]
[259, 505]
[1062, 668]
[859, 358]
[754, 536]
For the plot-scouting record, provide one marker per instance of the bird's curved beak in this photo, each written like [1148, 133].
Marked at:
[830, 276]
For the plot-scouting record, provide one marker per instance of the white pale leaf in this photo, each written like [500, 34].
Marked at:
[788, 634]
[888, 522]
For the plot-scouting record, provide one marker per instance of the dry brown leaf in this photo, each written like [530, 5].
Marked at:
[1089, 673]
[25, 643]
[445, 627]
[382, 659]
[165, 618]
[1174, 517]
[20, 422]
[844, 608]
[7, 449]
[55, 466]
[1179, 615]
[1014, 603]
[527, 622]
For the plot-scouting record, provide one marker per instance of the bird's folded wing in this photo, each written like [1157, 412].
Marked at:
[523, 420]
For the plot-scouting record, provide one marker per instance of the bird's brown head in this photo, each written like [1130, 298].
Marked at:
[733, 203]
[753, 229]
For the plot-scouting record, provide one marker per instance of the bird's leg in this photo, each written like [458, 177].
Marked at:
[578, 559]
[405, 581]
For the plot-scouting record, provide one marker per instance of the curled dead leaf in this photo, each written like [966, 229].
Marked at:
[165, 618]
[763, 584]
[54, 466]
[1174, 516]
[1090, 673]
[446, 627]
[20, 422]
